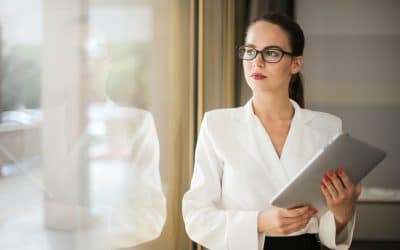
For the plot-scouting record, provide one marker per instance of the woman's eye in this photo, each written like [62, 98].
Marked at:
[271, 53]
[250, 51]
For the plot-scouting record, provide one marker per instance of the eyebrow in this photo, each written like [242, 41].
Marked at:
[267, 47]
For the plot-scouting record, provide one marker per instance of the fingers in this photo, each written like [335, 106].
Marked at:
[355, 190]
[336, 181]
[347, 183]
[297, 226]
[338, 186]
[297, 215]
[296, 212]
[287, 225]
[327, 194]
[328, 187]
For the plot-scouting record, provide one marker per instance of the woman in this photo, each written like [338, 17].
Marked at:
[245, 155]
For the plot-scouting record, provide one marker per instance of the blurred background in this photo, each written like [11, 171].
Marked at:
[101, 100]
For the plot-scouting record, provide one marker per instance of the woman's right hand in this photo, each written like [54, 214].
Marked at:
[281, 221]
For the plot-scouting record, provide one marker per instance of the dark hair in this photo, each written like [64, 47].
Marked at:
[296, 40]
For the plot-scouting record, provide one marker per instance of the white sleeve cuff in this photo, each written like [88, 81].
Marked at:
[327, 232]
[242, 226]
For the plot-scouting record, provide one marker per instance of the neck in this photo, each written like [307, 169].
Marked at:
[272, 107]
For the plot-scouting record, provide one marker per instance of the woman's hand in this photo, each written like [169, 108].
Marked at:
[341, 196]
[281, 221]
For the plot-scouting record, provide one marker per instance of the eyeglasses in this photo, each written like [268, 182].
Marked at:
[270, 54]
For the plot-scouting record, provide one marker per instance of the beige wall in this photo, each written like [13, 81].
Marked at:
[351, 70]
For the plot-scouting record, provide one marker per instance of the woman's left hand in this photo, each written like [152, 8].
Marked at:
[341, 195]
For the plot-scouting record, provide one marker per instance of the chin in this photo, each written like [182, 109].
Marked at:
[260, 86]
[264, 88]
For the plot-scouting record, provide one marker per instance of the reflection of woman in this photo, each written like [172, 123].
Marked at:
[127, 206]
[128, 197]
[245, 155]
[129, 201]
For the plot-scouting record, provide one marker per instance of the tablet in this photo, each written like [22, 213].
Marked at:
[357, 159]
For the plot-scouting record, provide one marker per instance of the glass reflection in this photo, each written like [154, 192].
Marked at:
[85, 170]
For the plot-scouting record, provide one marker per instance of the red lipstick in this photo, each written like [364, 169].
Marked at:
[258, 76]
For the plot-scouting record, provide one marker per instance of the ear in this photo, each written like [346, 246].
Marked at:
[297, 64]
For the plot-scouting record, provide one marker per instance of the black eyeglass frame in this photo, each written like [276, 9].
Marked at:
[262, 54]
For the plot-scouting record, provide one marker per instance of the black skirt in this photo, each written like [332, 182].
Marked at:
[300, 242]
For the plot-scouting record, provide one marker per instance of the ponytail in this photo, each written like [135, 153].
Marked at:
[296, 91]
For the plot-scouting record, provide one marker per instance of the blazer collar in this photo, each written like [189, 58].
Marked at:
[300, 114]
[262, 150]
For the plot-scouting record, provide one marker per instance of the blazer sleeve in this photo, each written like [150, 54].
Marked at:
[327, 232]
[140, 217]
[327, 226]
[206, 222]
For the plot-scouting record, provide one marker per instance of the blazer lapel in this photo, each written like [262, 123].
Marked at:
[297, 150]
[259, 147]
[271, 163]
[246, 133]
[301, 142]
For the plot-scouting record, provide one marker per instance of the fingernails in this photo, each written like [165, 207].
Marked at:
[326, 178]
[330, 173]
[323, 186]
[340, 171]
[312, 210]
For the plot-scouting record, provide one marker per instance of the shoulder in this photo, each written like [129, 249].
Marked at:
[324, 122]
[130, 119]
[323, 118]
[131, 113]
[222, 122]
[222, 116]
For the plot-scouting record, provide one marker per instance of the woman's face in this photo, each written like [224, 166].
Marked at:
[99, 63]
[262, 76]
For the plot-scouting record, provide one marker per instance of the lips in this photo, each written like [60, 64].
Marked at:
[258, 76]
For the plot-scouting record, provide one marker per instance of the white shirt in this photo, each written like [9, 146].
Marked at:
[237, 171]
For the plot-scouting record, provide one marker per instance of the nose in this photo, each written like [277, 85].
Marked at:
[258, 61]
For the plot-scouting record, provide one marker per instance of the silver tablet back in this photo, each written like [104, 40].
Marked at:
[357, 159]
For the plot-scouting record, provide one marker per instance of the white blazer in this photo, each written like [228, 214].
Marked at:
[237, 171]
[129, 208]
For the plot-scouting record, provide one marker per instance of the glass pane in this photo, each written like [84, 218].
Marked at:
[85, 130]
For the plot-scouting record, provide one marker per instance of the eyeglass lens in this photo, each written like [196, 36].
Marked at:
[268, 54]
